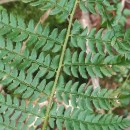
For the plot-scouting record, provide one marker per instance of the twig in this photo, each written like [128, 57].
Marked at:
[42, 19]
[86, 22]
[123, 4]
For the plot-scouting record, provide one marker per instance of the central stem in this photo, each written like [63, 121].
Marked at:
[60, 66]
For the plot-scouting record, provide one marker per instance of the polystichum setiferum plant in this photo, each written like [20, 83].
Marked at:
[43, 71]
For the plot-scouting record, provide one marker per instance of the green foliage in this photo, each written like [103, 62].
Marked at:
[28, 13]
[62, 7]
[43, 71]
[18, 109]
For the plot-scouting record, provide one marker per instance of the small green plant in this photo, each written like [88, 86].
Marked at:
[43, 71]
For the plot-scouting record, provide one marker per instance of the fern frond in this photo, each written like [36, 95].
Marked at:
[105, 9]
[16, 114]
[9, 51]
[102, 7]
[85, 98]
[81, 120]
[27, 85]
[63, 7]
[110, 41]
[95, 65]
[16, 30]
